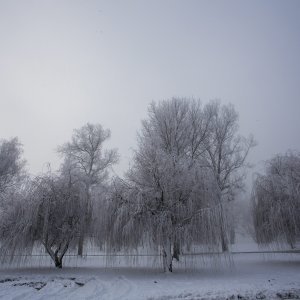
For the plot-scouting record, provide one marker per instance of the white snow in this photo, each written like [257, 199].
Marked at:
[252, 276]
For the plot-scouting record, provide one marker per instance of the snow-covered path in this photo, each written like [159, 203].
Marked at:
[251, 276]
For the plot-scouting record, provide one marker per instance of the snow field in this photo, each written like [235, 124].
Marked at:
[248, 276]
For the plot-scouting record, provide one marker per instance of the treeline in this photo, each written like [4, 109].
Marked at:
[276, 200]
[189, 165]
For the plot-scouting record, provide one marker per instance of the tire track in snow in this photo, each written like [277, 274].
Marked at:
[18, 293]
[120, 288]
[93, 289]
[50, 291]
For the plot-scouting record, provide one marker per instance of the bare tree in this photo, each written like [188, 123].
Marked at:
[276, 200]
[15, 224]
[45, 212]
[11, 163]
[89, 163]
[170, 193]
[226, 153]
[59, 214]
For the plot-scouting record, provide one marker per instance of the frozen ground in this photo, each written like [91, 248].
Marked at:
[245, 276]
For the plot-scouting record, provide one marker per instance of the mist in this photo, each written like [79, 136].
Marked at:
[66, 63]
[145, 138]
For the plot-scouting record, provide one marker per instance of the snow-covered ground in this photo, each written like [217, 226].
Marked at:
[243, 276]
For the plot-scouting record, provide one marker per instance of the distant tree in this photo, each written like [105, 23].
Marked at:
[226, 153]
[11, 163]
[170, 194]
[89, 163]
[15, 219]
[276, 200]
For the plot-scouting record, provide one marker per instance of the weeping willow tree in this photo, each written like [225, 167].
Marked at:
[88, 162]
[164, 217]
[16, 236]
[46, 212]
[276, 200]
[170, 197]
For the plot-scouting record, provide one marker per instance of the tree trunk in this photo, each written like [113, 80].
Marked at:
[224, 241]
[85, 220]
[223, 233]
[58, 262]
[58, 254]
[167, 256]
[290, 234]
[232, 235]
[80, 243]
[176, 249]
[291, 239]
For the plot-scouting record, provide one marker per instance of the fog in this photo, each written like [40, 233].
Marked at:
[65, 63]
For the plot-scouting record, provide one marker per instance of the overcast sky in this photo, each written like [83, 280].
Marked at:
[65, 63]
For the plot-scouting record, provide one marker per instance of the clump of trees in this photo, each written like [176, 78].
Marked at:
[189, 163]
[55, 209]
[276, 200]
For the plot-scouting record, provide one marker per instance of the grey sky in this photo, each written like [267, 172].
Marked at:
[65, 63]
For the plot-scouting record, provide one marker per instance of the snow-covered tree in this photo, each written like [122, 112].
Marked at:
[45, 212]
[11, 164]
[170, 194]
[276, 200]
[86, 159]
[226, 153]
